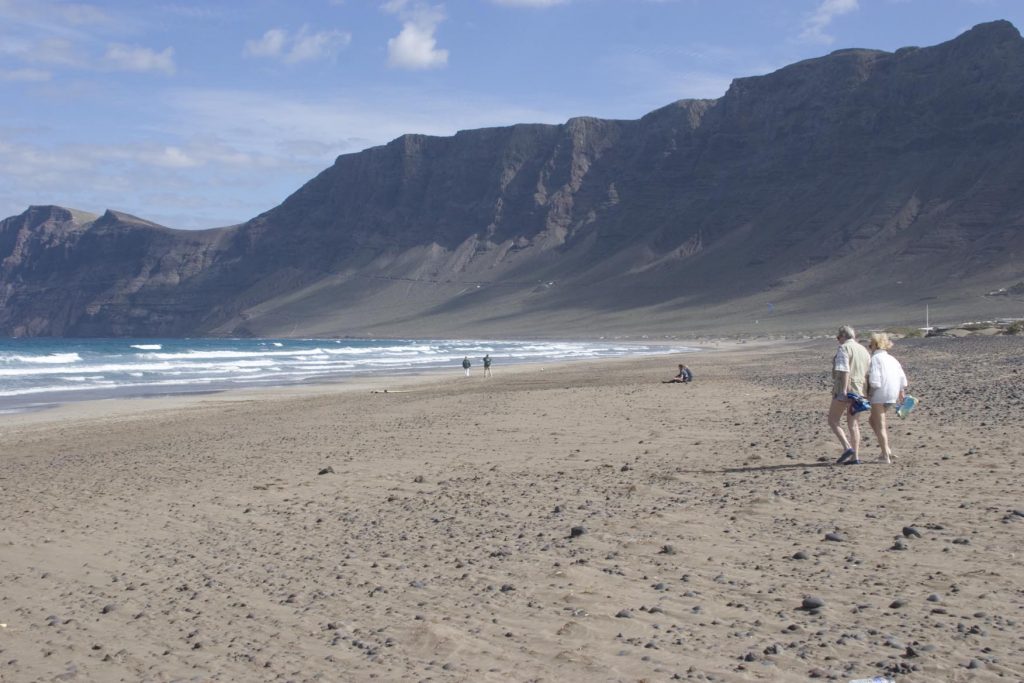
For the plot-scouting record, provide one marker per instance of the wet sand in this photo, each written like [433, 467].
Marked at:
[583, 522]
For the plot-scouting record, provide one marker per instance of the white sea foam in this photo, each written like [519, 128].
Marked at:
[90, 387]
[127, 368]
[174, 365]
[196, 354]
[53, 358]
[70, 370]
[378, 350]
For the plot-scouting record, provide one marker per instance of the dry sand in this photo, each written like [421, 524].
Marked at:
[195, 540]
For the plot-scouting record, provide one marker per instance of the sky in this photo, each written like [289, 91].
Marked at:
[203, 114]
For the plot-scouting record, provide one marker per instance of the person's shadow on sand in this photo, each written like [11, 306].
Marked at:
[767, 468]
[775, 468]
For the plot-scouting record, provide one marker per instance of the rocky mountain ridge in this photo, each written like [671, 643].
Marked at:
[858, 181]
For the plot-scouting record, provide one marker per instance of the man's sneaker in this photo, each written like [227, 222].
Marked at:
[847, 454]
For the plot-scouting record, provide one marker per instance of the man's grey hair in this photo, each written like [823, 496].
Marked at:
[847, 332]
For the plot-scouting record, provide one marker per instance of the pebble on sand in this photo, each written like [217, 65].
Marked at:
[812, 602]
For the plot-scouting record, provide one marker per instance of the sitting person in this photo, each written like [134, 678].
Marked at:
[684, 376]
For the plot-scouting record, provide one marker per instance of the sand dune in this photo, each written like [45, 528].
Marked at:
[576, 523]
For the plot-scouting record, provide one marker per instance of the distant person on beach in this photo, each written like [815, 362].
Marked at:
[487, 365]
[888, 384]
[849, 374]
[466, 364]
[684, 376]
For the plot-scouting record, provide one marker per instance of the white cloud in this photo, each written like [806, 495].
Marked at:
[31, 159]
[529, 3]
[81, 14]
[49, 14]
[50, 51]
[270, 45]
[320, 45]
[71, 35]
[415, 47]
[135, 58]
[56, 28]
[304, 46]
[191, 11]
[171, 157]
[61, 52]
[25, 75]
[815, 26]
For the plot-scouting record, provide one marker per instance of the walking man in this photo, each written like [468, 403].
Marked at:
[849, 375]
[487, 365]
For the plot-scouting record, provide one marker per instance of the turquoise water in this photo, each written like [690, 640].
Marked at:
[36, 373]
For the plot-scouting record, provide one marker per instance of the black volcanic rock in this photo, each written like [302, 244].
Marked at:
[862, 166]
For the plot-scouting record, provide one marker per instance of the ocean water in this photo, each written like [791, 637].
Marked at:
[36, 373]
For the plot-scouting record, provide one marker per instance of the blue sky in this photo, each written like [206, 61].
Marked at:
[201, 114]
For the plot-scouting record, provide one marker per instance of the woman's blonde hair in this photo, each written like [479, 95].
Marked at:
[881, 341]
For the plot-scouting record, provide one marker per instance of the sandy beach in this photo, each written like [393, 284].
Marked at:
[582, 522]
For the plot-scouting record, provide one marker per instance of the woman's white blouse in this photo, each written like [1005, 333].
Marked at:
[886, 378]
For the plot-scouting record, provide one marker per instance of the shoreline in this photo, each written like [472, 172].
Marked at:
[31, 401]
[432, 533]
[328, 384]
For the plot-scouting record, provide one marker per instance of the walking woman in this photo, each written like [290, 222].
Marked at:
[887, 384]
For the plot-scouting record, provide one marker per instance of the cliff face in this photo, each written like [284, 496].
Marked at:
[66, 272]
[848, 173]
